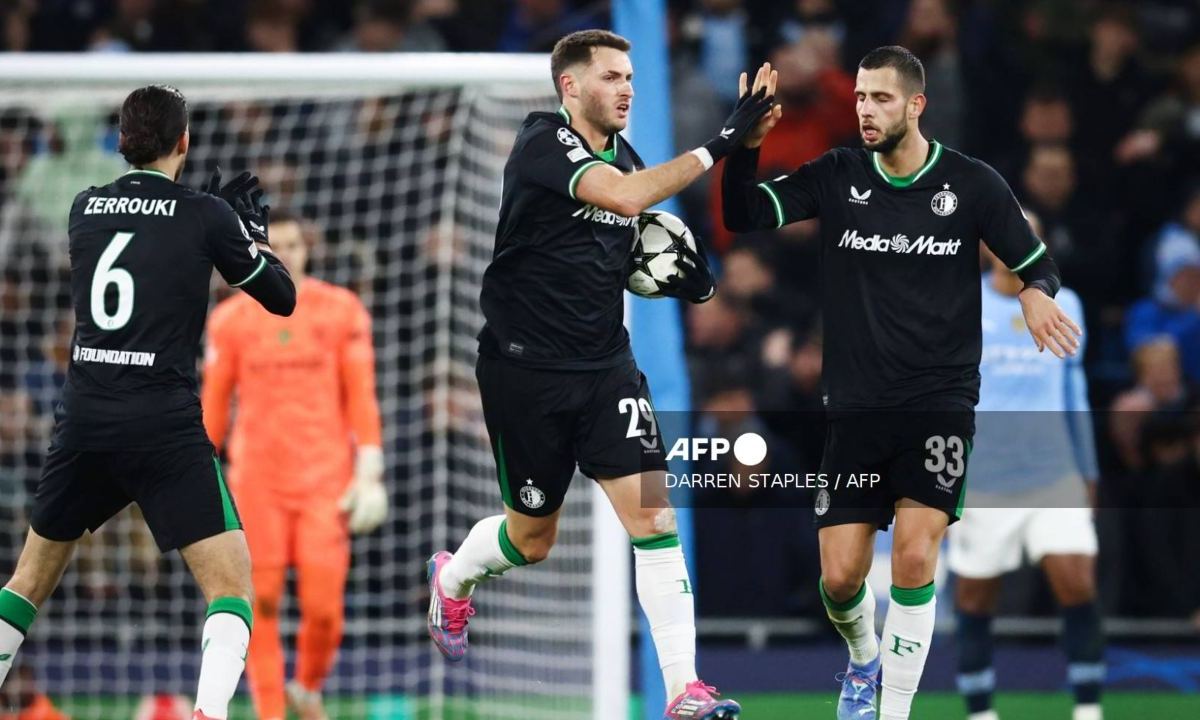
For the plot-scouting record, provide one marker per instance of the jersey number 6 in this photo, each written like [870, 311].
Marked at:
[106, 275]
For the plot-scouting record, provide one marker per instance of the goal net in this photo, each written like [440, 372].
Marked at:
[396, 161]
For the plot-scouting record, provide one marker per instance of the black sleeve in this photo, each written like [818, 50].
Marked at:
[1002, 224]
[774, 203]
[556, 160]
[244, 264]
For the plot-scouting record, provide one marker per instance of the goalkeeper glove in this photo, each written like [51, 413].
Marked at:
[255, 216]
[695, 282]
[366, 500]
[233, 189]
[749, 110]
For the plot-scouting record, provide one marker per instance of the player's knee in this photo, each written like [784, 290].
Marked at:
[1076, 589]
[973, 600]
[534, 542]
[842, 581]
[647, 522]
[913, 562]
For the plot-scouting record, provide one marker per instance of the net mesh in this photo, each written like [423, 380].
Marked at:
[403, 186]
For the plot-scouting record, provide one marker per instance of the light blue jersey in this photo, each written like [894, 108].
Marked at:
[1032, 428]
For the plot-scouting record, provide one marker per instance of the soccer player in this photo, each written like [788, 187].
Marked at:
[1035, 502]
[556, 374]
[306, 463]
[128, 427]
[901, 220]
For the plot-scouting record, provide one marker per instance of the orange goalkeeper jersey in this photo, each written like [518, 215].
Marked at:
[305, 389]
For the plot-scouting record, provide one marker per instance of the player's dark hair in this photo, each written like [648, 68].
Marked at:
[906, 65]
[577, 48]
[152, 119]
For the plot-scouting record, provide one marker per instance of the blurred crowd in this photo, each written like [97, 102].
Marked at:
[1090, 110]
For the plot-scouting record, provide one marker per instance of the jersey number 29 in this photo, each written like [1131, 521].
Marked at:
[106, 275]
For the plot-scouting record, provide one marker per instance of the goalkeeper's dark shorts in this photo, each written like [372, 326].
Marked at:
[875, 458]
[180, 491]
[543, 423]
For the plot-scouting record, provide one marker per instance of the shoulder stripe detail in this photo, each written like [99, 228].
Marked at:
[1031, 257]
[262, 264]
[578, 174]
[774, 201]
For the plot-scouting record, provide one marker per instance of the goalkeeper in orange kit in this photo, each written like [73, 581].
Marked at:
[306, 464]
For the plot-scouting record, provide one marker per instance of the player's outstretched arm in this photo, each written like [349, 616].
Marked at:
[630, 195]
[242, 254]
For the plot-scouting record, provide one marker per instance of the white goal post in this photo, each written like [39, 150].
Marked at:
[397, 160]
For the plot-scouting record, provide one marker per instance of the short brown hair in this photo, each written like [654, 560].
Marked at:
[577, 48]
[152, 120]
[900, 59]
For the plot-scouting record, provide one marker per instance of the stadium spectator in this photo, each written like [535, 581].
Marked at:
[1179, 237]
[1107, 91]
[931, 32]
[1173, 309]
[390, 26]
[535, 25]
[1166, 129]
[1080, 236]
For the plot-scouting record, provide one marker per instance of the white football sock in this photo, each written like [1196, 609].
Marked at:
[224, 646]
[486, 553]
[1088, 712]
[907, 633]
[664, 591]
[855, 621]
[16, 615]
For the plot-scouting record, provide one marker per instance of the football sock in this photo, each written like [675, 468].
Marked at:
[16, 615]
[664, 591]
[1083, 641]
[854, 619]
[486, 553]
[976, 678]
[907, 633]
[226, 640]
[322, 614]
[265, 665]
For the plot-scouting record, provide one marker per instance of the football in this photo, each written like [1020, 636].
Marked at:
[657, 247]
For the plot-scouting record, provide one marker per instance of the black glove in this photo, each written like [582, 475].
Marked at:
[746, 114]
[254, 215]
[695, 282]
[233, 189]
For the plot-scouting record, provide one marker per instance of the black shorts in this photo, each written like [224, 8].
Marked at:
[873, 458]
[181, 493]
[543, 423]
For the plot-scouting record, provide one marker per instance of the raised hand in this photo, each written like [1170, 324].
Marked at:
[767, 78]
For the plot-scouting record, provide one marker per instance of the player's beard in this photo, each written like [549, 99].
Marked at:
[596, 111]
[889, 139]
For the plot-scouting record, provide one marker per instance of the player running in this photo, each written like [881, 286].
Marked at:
[556, 374]
[129, 426]
[1034, 502]
[306, 464]
[900, 224]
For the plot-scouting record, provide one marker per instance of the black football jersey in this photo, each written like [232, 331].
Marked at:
[553, 295]
[142, 252]
[901, 267]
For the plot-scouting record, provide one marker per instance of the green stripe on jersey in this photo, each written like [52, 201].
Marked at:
[262, 264]
[774, 201]
[1030, 258]
[578, 174]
